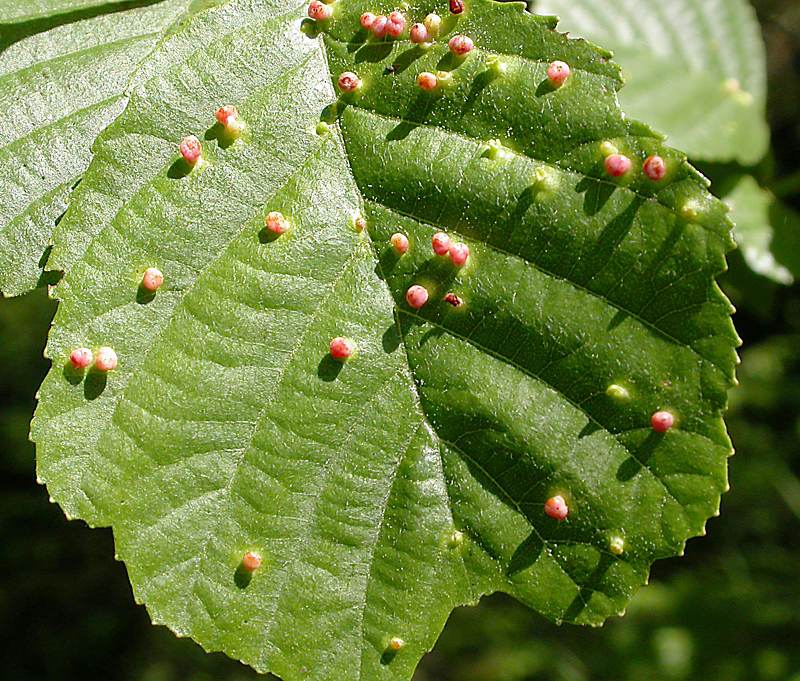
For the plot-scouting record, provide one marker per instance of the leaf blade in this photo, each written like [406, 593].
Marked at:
[58, 90]
[227, 428]
[695, 70]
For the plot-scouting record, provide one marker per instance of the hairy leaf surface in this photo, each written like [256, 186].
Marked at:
[694, 69]
[14, 11]
[387, 490]
[58, 90]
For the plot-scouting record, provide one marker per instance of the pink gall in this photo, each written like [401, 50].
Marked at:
[417, 296]
[319, 11]
[106, 359]
[419, 34]
[662, 421]
[461, 45]
[399, 243]
[459, 253]
[367, 20]
[191, 149]
[152, 280]
[441, 243]
[556, 508]
[81, 358]
[228, 117]
[341, 348]
[251, 561]
[349, 82]
[655, 168]
[617, 165]
[557, 73]
[396, 24]
[276, 222]
[427, 81]
[225, 114]
[380, 26]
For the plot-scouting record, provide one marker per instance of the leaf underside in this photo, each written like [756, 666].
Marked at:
[694, 69]
[228, 428]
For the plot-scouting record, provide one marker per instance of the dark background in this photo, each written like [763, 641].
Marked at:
[728, 611]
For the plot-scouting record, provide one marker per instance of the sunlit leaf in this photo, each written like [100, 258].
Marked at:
[384, 491]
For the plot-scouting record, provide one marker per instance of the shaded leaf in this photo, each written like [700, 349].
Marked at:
[384, 491]
[768, 232]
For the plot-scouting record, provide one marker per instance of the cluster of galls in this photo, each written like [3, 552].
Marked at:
[340, 348]
[619, 165]
[417, 296]
[393, 25]
[228, 117]
[106, 358]
[191, 150]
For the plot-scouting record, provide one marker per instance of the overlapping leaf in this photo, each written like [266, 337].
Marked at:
[58, 89]
[385, 491]
[768, 232]
[694, 69]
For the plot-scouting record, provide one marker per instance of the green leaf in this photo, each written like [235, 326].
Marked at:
[384, 491]
[13, 11]
[768, 232]
[58, 90]
[694, 69]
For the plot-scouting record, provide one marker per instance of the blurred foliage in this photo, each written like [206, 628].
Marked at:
[728, 611]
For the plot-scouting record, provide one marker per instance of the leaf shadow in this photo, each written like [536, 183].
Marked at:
[386, 262]
[638, 459]
[329, 369]
[590, 428]
[310, 28]
[218, 133]
[596, 196]
[414, 117]
[449, 62]
[592, 584]
[545, 88]
[267, 236]
[479, 84]
[407, 58]
[358, 39]
[13, 33]
[72, 375]
[179, 169]
[373, 52]
[94, 384]
[617, 319]
[143, 296]
[390, 340]
[609, 239]
[524, 201]
[402, 130]
[388, 655]
[526, 554]
[242, 577]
